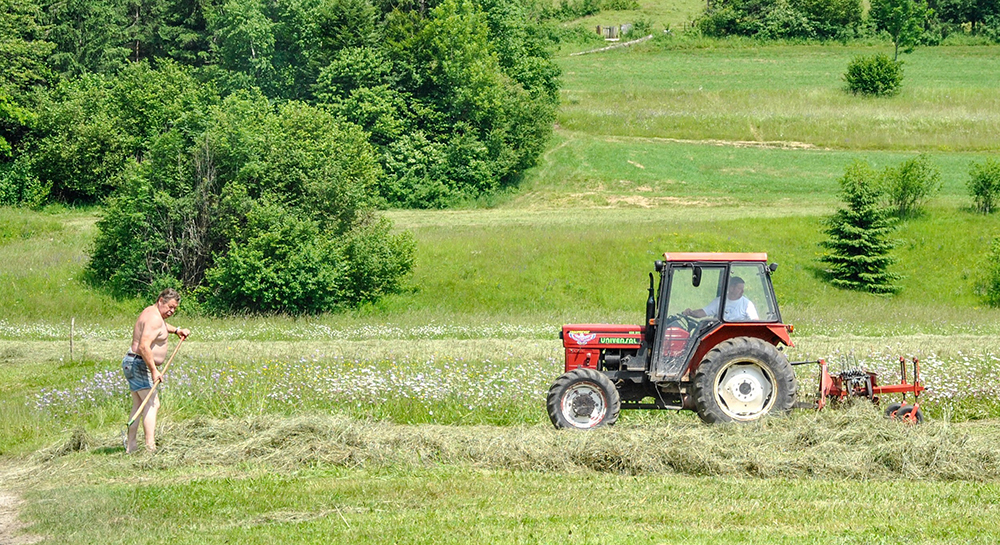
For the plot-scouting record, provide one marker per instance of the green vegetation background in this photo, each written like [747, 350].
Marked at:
[661, 147]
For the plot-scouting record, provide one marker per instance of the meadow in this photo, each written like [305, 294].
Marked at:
[421, 419]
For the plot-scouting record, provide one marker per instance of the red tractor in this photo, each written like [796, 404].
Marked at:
[711, 343]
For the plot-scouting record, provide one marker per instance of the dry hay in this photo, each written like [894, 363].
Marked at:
[78, 441]
[852, 443]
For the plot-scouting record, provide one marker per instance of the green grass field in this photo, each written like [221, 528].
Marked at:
[421, 419]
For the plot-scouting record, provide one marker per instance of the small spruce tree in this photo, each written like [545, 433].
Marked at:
[859, 243]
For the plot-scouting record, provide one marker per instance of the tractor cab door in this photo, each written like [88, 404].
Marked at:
[688, 286]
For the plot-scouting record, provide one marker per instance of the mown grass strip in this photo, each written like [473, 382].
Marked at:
[316, 479]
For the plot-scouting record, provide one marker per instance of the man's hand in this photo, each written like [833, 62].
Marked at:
[182, 333]
[698, 313]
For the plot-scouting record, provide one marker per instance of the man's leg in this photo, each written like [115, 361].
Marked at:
[149, 421]
[137, 398]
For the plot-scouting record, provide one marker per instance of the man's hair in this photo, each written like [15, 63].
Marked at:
[733, 280]
[168, 294]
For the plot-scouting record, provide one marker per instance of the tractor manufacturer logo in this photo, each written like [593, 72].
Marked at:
[618, 340]
[582, 337]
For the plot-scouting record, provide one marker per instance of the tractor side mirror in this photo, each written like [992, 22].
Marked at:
[696, 277]
[772, 267]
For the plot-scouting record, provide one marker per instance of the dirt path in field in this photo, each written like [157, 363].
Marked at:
[762, 144]
[10, 527]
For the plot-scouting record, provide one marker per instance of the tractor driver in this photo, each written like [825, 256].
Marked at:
[738, 307]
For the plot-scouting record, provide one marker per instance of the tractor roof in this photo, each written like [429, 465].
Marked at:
[714, 256]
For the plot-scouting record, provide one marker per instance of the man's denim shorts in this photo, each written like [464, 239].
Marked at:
[136, 373]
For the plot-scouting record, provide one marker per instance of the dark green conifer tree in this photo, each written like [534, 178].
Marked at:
[859, 244]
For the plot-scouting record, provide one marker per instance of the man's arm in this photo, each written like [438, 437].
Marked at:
[696, 313]
[711, 310]
[182, 333]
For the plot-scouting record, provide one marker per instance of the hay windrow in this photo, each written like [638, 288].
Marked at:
[855, 443]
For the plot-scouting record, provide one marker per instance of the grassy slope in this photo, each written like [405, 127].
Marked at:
[949, 99]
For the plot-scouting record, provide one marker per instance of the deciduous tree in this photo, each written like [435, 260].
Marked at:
[903, 20]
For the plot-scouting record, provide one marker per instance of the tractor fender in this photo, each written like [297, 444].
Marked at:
[774, 334]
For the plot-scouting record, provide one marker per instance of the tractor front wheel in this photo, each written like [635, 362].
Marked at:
[743, 379]
[583, 399]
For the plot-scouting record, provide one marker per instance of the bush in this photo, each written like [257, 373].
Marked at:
[988, 284]
[909, 185]
[19, 187]
[782, 19]
[619, 5]
[990, 28]
[640, 28]
[264, 210]
[283, 263]
[875, 75]
[984, 185]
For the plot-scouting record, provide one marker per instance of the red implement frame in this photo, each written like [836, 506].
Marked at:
[866, 385]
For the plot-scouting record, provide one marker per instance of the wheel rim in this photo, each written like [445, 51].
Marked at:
[745, 390]
[584, 405]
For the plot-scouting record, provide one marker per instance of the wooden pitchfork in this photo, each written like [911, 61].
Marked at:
[153, 389]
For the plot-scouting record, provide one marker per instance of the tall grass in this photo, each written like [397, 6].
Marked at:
[473, 382]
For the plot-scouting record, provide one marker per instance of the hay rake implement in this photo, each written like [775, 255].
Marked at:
[857, 382]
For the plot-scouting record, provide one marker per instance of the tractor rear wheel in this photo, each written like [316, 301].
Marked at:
[743, 379]
[583, 399]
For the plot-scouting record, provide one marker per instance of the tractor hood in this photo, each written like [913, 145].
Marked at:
[601, 336]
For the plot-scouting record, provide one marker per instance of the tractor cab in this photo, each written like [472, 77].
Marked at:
[701, 293]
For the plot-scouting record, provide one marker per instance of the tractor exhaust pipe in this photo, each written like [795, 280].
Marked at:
[650, 307]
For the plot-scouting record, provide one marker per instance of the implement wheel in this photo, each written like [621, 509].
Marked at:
[583, 399]
[743, 379]
[892, 411]
[910, 416]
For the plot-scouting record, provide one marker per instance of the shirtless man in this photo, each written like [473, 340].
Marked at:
[149, 349]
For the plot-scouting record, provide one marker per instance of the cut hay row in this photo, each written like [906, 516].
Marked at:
[854, 443]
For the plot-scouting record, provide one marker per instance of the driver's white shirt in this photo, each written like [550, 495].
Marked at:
[740, 310]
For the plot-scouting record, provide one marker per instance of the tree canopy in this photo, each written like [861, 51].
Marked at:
[241, 148]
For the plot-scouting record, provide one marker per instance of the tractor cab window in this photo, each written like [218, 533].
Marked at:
[748, 295]
[693, 287]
